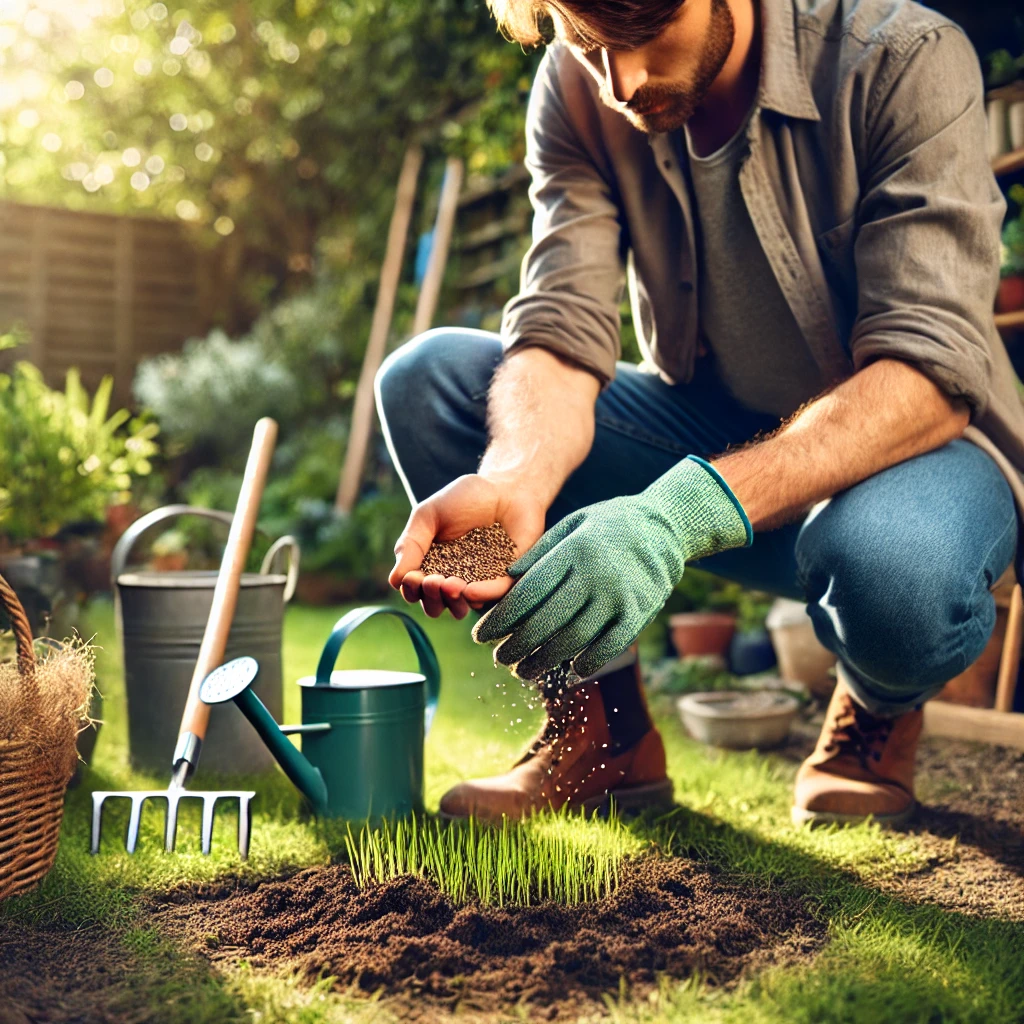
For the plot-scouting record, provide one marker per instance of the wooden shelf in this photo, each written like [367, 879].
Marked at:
[1011, 92]
[1008, 162]
[1010, 321]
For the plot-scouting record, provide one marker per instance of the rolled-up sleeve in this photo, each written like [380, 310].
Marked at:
[927, 249]
[572, 277]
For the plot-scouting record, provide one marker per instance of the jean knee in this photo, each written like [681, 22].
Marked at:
[442, 366]
[908, 627]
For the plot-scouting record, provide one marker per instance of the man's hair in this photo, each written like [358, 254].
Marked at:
[603, 24]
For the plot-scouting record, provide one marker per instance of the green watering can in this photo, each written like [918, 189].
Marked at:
[362, 729]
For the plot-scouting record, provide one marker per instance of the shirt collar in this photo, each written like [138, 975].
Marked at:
[784, 87]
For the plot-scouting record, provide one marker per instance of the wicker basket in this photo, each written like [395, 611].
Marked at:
[31, 800]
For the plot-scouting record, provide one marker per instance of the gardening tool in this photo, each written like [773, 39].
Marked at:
[161, 617]
[196, 715]
[362, 729]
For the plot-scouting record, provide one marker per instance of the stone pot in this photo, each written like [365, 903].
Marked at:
[699, 633]
[802, 657]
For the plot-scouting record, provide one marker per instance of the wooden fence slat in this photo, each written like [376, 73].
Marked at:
[97, 291]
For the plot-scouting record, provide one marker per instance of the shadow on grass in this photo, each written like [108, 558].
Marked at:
[888, 959]
[1003, 841]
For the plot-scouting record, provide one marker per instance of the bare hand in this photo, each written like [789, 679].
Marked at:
[466, 503]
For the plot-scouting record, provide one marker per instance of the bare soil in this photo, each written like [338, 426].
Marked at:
[405, 937]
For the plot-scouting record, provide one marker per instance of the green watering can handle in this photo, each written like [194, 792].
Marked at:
[424, 651]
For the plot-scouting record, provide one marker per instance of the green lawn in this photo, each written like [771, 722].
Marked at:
[886, 960]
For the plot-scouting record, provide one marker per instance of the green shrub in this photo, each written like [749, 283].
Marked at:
[63, 460]
[299, 500]
[213, 392]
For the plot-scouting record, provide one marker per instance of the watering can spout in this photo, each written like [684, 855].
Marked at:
[232, 681]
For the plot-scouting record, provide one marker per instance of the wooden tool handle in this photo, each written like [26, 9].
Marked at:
[196, 716]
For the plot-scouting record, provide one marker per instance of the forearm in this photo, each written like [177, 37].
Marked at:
[540, 414]
[882, 415]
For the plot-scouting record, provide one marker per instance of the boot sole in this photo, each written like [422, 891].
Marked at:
[625, 799]
[801, 816]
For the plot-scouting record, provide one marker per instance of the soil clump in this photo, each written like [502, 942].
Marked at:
[485, 553]
[407, 938]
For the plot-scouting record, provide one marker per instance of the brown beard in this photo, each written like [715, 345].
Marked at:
[682, 98]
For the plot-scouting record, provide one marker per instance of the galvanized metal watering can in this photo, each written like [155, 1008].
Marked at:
[362, 730]
[160, 621]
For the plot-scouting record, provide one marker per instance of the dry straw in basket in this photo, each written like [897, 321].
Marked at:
[43, 706]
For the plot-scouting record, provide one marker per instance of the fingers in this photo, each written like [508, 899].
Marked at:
[557, 533]
[530, 592]
[608, 645]
[436, 594]
[542, 626]
[412, 545]
[589, 622]
[486, 591]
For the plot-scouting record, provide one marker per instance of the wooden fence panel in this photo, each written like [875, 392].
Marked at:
[96, 291]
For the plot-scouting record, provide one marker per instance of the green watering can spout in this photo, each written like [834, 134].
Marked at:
[365, 755]
[232, 681]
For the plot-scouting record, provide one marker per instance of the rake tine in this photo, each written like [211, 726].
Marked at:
[134, 821]
[209, 802]
[171, 828]
[97, 819]
[244, 825]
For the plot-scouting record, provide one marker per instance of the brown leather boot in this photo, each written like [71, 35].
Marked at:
[863, 765]
[597, 746]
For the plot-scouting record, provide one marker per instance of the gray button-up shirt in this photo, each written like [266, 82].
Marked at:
[867, 181]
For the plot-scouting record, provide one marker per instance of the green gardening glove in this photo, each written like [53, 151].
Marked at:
[595, 580]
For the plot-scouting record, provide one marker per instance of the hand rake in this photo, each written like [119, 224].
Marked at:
[196, 715]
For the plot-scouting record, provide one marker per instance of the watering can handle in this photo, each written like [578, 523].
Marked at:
[127, 540]
[424, 651]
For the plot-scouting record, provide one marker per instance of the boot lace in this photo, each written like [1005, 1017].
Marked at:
[855, 730]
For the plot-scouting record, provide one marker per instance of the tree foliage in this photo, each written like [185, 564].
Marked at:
[264, 124]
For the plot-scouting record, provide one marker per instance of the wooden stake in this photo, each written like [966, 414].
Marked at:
[362, 410]
[447, 207]
[1009, 663]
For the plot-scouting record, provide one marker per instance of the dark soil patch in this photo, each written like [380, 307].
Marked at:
[405, 937]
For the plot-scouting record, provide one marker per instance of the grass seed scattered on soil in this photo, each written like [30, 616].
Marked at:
[484, 553]
[406, 937]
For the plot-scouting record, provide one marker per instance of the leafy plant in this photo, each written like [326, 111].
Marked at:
[1013, 237]
[690, 675]
[63, 459]
[299, 500]
[213, 391]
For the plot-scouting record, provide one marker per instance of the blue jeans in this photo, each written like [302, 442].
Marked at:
[895, 571]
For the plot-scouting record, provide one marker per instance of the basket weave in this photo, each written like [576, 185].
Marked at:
[31, 799]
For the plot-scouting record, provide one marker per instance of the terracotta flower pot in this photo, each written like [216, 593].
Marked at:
[1010, 296]
[696, 633]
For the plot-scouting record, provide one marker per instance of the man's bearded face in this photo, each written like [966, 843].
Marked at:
[679, 64]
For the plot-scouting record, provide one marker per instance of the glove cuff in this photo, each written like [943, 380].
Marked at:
[706, 514]
[748, 530]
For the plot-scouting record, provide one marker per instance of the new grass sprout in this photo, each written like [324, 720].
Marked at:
[556, 857]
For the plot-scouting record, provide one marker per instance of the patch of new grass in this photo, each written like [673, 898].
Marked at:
[550, 857]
